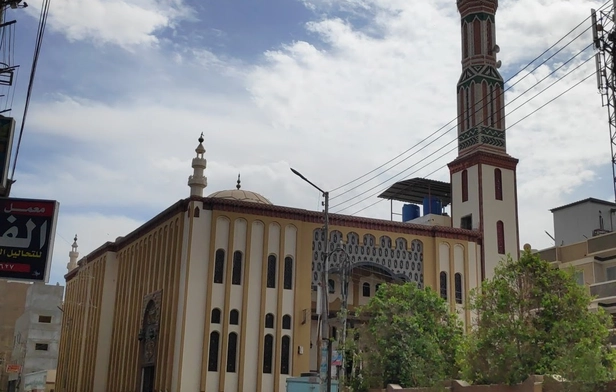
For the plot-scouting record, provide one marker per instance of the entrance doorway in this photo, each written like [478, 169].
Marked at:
[147, 381]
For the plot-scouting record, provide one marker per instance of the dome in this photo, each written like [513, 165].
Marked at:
[241, 195]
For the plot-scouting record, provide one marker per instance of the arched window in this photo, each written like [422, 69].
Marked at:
[286, 322]
[458, 284]
[376, 287]
[219, 266]
[271, 271]
[236, 277]
[234, 317]
[331, 286]
[443, 284]
[464, 186]
[197, 212]
[232, 352]
[288, 273]
[285, 354]
[212, 363]
[498, 184]
[268, 348]
[215, 316]
[365, 288]
[500, 237]
[269, 320]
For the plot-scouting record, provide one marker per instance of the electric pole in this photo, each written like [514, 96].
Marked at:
[325, 344]
[604, 39]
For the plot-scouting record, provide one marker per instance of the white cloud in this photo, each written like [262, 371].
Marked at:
[332, 108]
[121, 22]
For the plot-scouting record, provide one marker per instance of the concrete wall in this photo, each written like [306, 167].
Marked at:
[41, 301]
[572, 223]
[12, 304]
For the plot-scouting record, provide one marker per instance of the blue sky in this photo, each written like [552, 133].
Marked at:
[332, 88]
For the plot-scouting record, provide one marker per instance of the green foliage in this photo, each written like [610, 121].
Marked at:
[533, 318]
[410, 338]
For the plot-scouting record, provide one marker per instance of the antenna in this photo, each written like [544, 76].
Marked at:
[550, 235]
[599, 69]
[595, 34]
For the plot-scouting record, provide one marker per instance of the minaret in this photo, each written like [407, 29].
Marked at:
[73, 255]
[197, 182]
[483, 177]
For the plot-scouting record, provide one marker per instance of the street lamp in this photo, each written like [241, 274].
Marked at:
[325, 368]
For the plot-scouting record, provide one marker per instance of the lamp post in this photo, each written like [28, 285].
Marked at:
[325, 368]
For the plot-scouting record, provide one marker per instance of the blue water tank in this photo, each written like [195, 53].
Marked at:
[410, 212]
[432, 205]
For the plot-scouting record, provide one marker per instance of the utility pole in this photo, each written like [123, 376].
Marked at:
[604, 40]
[325, 344]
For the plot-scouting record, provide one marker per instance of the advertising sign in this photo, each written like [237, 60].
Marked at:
[10, 368]
[7, 130]
[27, 233]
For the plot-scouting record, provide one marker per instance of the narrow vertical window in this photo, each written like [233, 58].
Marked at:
[219, 266]
[465, 39]
[288, 273]
[498, 184]
[271, 271]
[268, 348]
[269, 320]
[285, 354]
[236, 277]
[500, 236]
[234, 317]
[286, 322]
[376, 288]
[464, 186]
[232, 352]
[443, 284]
[212, 363]
[365, 288]
[331, 286]
[197, 213]
[458, 284]
[215, 316]
[477, 35]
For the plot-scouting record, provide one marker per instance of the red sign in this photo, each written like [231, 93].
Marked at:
[27, 232]
[13, 368]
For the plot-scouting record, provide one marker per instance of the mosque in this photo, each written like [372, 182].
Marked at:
[220, 293]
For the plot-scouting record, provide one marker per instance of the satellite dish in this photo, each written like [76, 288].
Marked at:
[499, 64]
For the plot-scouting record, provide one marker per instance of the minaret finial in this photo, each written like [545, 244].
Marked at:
[197, 182]
[239, 182]
[73, 255]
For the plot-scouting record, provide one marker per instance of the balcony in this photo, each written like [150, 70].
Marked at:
[605, 292]
[601, 248]
[603, 245]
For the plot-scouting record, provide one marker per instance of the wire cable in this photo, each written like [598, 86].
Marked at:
[511, 126]
[438, 130]
[455, 139]
[37, 52]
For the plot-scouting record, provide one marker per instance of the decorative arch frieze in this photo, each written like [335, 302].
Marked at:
[400, 259]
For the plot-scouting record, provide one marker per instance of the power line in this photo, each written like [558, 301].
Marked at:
[444, 126]
[37, 51]
[511, 126]
[455, 139]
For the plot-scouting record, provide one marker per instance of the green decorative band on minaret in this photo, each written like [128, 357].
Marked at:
[479, 73]
[482, 135]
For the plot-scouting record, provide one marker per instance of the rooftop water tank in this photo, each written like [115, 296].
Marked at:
[410, 212]
[432, 205]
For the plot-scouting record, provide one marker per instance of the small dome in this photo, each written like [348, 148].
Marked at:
[241, 195]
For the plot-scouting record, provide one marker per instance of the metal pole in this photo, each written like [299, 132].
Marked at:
[325, 347]
[346, 270]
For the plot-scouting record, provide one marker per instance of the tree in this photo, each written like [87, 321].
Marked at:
[410, 338]
[533, 318]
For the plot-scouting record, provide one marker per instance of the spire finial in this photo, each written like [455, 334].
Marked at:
[74, 246]
[201, 138]
[239, 182]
